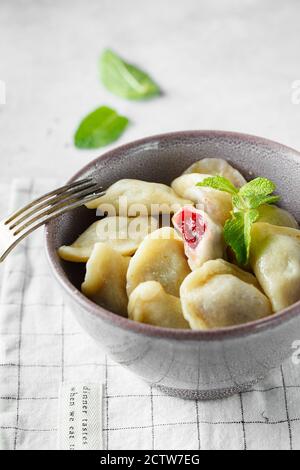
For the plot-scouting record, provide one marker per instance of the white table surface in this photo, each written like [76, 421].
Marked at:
[226, 64]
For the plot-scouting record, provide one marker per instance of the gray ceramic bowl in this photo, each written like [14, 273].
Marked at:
[190, 364]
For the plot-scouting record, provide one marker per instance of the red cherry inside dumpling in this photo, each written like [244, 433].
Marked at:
[202, 237]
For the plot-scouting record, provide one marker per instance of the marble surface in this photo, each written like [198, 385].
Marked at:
[222, 65]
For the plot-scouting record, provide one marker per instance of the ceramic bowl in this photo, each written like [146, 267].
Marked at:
[185, 363]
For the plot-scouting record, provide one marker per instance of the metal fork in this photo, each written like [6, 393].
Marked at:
[38, 212]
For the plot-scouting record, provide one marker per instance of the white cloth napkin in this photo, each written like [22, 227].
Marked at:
[41, 345]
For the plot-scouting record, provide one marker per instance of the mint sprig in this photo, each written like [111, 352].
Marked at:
[245, 201]
[124, 79]
[257, 192]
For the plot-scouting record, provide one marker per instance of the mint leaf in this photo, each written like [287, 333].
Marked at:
[100, 128]
[238, 203]
[124, 79]
[237, 234]
[245, 202]
[258, 192]
[234, 236]
[272, 200]
[249, 218]
[258, 186]
[220, 183]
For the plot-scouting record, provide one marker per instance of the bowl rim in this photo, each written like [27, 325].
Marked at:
[217, 334]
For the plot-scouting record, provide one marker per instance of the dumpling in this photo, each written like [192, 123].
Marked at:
[217, 166]
[274, 215]
[121, 233]
[275, 260]
[202, 237]
[220, 295]
[105, 279]
[149, 303]
[160, 257]
[134, 197]
[216, 204]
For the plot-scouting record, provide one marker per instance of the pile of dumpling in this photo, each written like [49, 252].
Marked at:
[183, 275]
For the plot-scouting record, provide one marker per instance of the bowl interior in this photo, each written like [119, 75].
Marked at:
[163, 158]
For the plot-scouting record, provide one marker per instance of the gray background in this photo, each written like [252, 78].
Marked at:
[226, 64]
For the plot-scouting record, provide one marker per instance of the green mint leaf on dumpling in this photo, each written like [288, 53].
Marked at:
[124, 79]
[237, 234]
[220, 183]
[246, 202]
[99, 128]
[258, 192]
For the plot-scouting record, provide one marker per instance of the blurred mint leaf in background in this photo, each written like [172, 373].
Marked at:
[124, 79]
[99, 128]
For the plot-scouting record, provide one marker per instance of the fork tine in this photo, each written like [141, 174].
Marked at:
[47, 197]
[57, 212]
[53, 200]
[67, 203]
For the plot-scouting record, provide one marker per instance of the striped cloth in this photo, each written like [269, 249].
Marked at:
[41, 345]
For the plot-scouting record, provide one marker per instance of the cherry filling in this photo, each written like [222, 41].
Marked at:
[192, 226]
